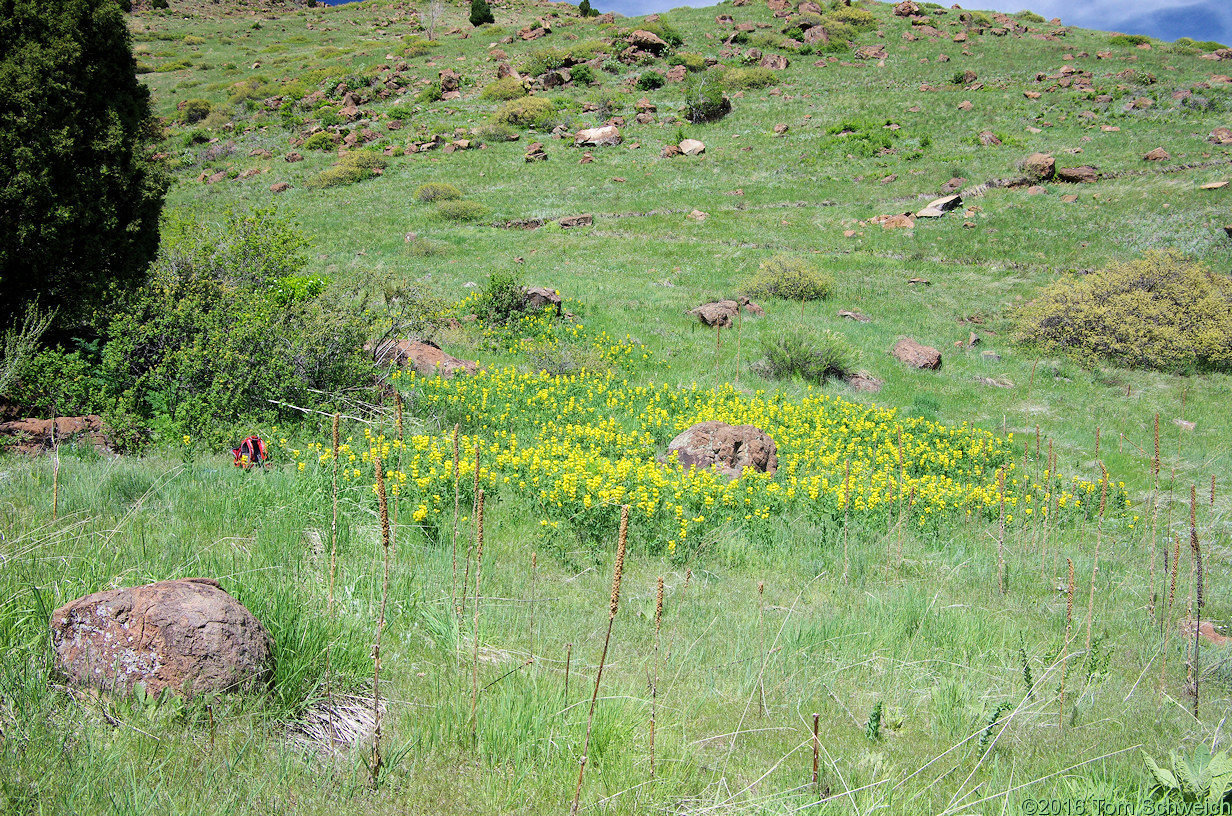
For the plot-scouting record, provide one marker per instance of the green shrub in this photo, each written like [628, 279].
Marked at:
[462, 210]
[663, 30]
[1160, 312]
[841, 34]
[542, 60]
[528, 112]
[814, 357]
[194, 110]
[504, 89]
[1030, 17]
[789, 278]
[582, 74]
[351, 168]
[692, 62]
[503, 298]
[704, 100]
[431, 93]
[585, 9]
[1129, 39]
[857, 18]
[174, 65]
[205, 345]
[437, 191]
[744, 79]
[495, 133]
[650, 80]
[323, 140]
[861, 137]
[414, 46]
[336, 176]
[481, 13]
[59, 381]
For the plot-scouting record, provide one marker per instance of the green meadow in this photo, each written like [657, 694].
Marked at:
[1004, 617]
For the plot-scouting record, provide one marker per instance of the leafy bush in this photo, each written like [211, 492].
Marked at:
[790, 278]
[704, 100]
[59, 381]
[504, 89]
[542, 60]
[462, 210]
[194, 110]
[650, 80]
[495, 133]
[861, 137]
[1160, 312]
[743, 79]
[415, 46]
[1030, 17]
[351, 168]
[225, 324]
[692, 62]
[812, 357]
[582, 74]
[857, 18]
[481, 13]
[529, 112]
[323, 140]
[431, 93]
[437, 191]
[503, 298]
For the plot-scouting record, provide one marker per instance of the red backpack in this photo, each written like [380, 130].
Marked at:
[250, 453]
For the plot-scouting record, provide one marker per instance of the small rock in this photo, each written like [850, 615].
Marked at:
[279, 187]
[1214, 185]
[1039, 166]
[856, 316]
[965, 105]
[294, 157]
[697, 215]
[865, 383]
[1158, 154]
[692, 147]
[570, 221]
[1069, 199]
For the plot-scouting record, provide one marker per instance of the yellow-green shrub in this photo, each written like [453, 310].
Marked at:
[437, 191]
[790, 278]
[504, 89]
[528, 112]
[1161, 312]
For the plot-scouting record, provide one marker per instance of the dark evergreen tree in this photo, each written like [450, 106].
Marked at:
[481, 13]
[585, 10]
[79, 195]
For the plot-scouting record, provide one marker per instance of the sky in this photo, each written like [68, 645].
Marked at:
[1166, 19]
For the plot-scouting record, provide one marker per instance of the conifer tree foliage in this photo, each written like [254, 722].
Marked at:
[481, 13]
[79, 195]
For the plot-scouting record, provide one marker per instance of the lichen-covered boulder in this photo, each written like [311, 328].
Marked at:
[187, 635]
[727, 448]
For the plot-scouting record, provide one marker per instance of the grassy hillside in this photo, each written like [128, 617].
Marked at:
[904, 574]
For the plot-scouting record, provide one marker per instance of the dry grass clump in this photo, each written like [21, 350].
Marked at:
[437, 191]
[1160, 312]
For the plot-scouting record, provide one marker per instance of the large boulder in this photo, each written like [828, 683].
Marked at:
[38, 435]
[1039, 166]
[692, 147]
[647, 41]
[1086, 174]
[727, 448]
[916, 355]
[186, 635]
[424, 357]
[608, 135]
